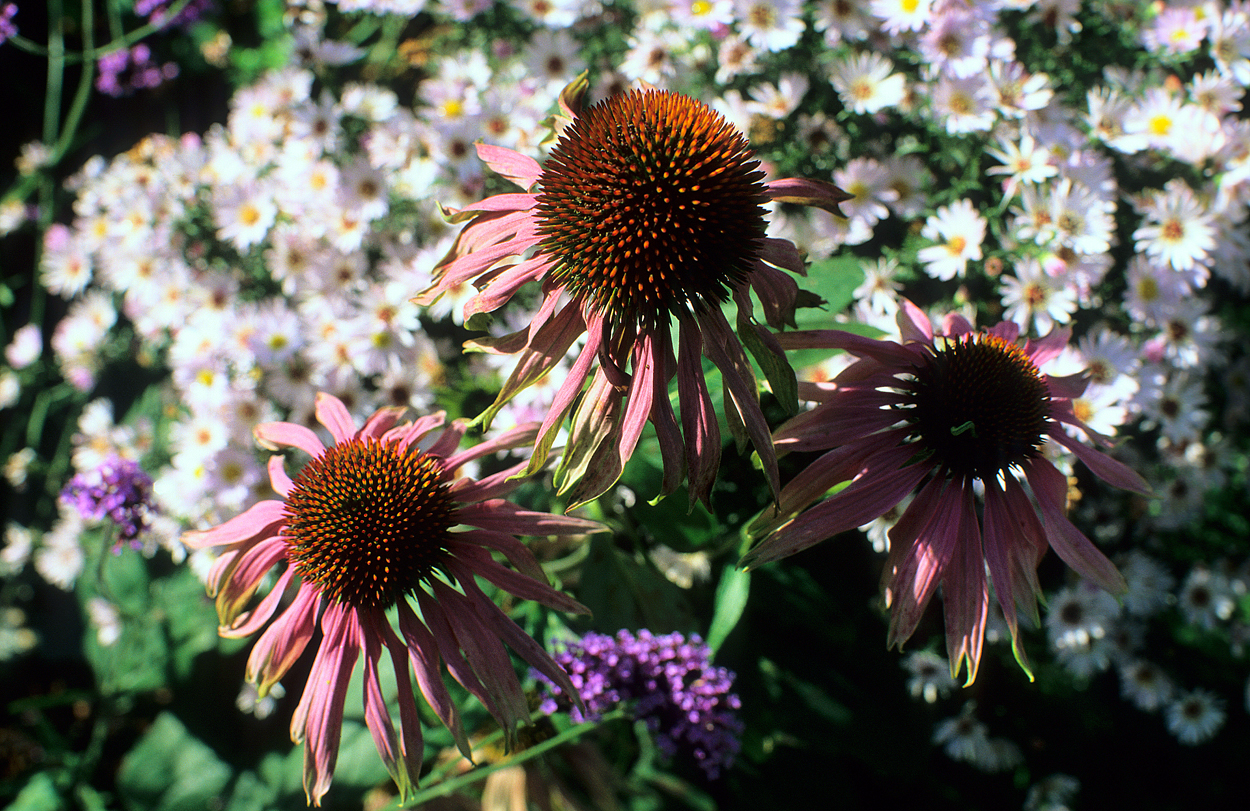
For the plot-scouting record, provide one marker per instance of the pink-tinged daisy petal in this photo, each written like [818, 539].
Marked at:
[261, 520]
[1110, 470]
[1050, 488]
[423, 652]
[278, 478]
[277, 435]
[965, 597]
[518, 168]
[283, 642]
[325, 694]
[333, 415]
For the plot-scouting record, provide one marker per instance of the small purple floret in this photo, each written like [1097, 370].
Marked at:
[118, 490]
[683, 699]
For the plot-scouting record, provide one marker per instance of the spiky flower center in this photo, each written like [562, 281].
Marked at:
[367, 521]
[979, 405]
[650, 206]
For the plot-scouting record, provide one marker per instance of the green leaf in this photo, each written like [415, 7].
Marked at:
[170, 770]
[39, 794]
[776, 368]
[623, 592]
[731, 601]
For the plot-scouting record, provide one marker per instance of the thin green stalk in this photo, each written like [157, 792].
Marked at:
[446, 787]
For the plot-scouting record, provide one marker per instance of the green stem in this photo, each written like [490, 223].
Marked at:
[446, 787]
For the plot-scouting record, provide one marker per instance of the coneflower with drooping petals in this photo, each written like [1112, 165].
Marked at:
[648, 215]
[933, 416]
[373, 522]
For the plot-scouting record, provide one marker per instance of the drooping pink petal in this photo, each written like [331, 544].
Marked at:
[1050, 488]
[520, 169]
[245, 575]
[283, 642]
[722, 347]
[411, 739]
[1067, 387]
[842, 464]
[1109, 470]
[965, 595]
[377, 713]
[863, 500]
[908, 528]
[923, 564]
[278, 478]
[521, 642]
[423, 651]
[566, 395]
[504, 516]
[501, 289]
[249, 622]
[700, 430]
[325, 693]
[527, 588]
[518, 202]
[838, 421]
[913, 325]
[887, 352]
[486, 656]
[1014, 542]
[382, 421]
[514, 437]
[782, 253]
[495, 485]
[277, 435]
[590, 462]
[517, 553]
[448, 647]
[261, 520]
[807, 192]
[777, 292]
[667, 434]
[334, 416]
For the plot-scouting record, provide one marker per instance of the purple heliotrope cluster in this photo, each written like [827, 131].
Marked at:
[118, 490]
[684, 700]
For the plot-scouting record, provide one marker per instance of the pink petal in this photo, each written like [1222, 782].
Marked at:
[965, 594]
[278, 478]
[423, 653]
[284, 641]
[527, 588]
[378, 714]
[245, 575]
[1109, 470]
[324, 694]
[411, 740]
[923, 564]
[503, 516]
[275, 435]
[249, 622]
[700, 430]
[261, 520]
[807, 192]
[448, 646]
[382, 421]
[914, 326]
[1050, 488]
[512, 201]
[1043, 350]
[504, 286]
[515, 437]
[334, 415]
[520, 169]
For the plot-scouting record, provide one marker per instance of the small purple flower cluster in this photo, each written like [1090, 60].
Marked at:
[7, 27]
[157, 12]
[118, 490]
[683, 699]
[125, 71]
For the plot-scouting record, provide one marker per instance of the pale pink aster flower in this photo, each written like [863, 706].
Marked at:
[1195, 716]
[865, 179]
[1178, 229]
[649, 217]
[1153, 291]
[26, 346]
[957, 42]
[64, 266]
[551, 56]
[947, 413]
[1080, 219]
[1033, 298]
[843, 21]
[963, 105]
[1216, 93]
[770, 25]
[777, 101]
[1176, 30]
[1024, 162]
[898, 16]
[652, 55]
[375, 521]
[866, 82]
[1229, 38]
[1019, 93]
[909, 178]
[243, 212]
[959, 230]
[734, 57]
[703, 15]
[1176, 404]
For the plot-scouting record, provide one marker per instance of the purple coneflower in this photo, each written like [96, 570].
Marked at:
[376, 519]
[940, 412]
[648, 212]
